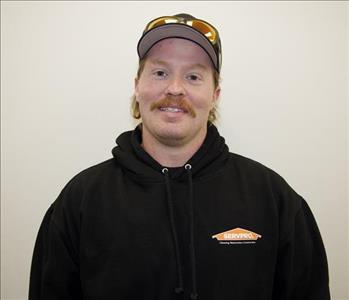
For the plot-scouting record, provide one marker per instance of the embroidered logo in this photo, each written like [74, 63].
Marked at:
[237, 236]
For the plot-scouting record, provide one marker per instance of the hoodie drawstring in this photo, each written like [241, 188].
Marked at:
[193, 294]
[180, 289]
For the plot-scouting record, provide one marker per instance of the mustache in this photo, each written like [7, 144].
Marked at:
[180, 103]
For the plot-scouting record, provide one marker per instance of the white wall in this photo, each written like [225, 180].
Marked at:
[67, 76]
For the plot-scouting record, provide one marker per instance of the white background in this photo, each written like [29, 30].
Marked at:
[67, 71]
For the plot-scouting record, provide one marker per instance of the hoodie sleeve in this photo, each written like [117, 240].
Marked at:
[302, 270]
[55, 264]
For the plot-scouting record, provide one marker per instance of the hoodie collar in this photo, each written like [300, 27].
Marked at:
[130, 154]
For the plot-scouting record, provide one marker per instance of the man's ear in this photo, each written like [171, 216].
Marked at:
[216, 94]
[136, 88]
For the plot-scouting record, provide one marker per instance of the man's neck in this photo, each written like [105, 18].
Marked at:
[170, 155]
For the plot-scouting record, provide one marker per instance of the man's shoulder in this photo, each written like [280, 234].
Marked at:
[247, 164]
[99, 169]
[84, 182]
[254, 170]
[257, 175]
[90, 176]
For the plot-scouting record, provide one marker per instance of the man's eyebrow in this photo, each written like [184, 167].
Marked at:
[191, 66]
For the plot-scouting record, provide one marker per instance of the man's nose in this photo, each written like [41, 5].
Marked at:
[175, 86]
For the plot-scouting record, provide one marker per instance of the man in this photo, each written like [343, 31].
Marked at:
[174, 215]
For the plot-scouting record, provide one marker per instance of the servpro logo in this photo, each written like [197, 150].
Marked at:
[237, 236]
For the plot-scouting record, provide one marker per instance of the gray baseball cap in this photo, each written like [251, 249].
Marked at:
[183, 26]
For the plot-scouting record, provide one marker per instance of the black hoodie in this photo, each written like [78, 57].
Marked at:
[221, 227]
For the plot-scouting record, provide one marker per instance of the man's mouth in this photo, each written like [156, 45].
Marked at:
[171, 109]
[174, 105]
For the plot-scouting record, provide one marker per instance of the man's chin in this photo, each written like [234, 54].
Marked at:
[172, 136]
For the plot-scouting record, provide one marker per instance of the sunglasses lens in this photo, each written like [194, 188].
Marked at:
[199, 25]
[161, 21]
[205, 29]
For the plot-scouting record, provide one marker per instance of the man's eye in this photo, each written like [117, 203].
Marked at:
[193, 77]
[160, 73]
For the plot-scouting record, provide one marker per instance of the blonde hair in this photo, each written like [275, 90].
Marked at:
[212, 116]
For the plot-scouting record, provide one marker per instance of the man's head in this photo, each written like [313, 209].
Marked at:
[177, 83]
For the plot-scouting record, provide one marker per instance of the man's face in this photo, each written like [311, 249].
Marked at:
[175, 92]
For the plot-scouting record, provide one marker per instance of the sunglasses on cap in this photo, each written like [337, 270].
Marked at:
[202, 26]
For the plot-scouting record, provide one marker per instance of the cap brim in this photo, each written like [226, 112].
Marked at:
[183, 31]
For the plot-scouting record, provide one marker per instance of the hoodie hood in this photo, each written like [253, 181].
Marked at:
[210, 157]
